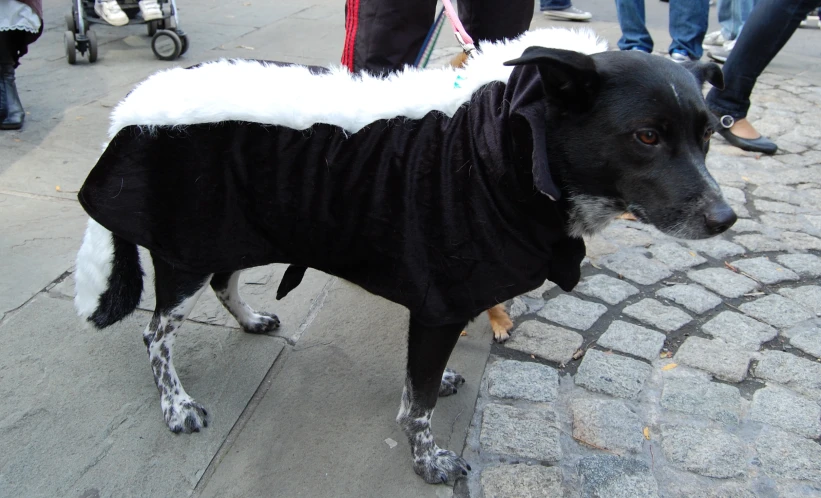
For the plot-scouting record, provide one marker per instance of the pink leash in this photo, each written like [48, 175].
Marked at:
[462, 36]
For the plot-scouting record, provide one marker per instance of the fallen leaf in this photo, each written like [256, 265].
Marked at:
[669, 366]
[532, 357]
[745, 178]
[693, 254]
[647, 433]
[464, 333]
[57, 188]
[666, 354]
[578, 354]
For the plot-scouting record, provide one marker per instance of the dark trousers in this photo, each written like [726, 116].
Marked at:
[770, 25]
[14, 44]
[385, 35]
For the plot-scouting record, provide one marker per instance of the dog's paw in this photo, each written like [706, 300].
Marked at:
[262, 323]
[440, 466]
[450, 380]
[500, 335]
[185, 416]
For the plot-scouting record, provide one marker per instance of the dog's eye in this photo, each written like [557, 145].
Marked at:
[648, 137]
[708, 133]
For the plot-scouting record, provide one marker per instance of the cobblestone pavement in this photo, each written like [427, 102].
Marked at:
[676, 368]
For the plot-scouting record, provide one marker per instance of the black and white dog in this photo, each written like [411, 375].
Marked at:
[447, 191]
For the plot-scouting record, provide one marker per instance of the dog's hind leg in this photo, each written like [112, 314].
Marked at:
[428, 351]
[226, 287]
[177, 292]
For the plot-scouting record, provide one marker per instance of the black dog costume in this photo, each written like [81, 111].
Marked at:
[438, 195]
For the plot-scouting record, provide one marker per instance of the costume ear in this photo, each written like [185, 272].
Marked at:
[569, 78]
[534, 117]
[706, 71]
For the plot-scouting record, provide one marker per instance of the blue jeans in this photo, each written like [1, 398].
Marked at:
[770, 25]
[731, 16]
[688, 25]
[554, 4]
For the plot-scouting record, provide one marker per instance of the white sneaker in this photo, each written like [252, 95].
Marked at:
[569, 14]
[110, 12]
[714, 39]
[150, 9]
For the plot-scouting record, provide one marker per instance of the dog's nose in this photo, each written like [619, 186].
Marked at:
[719, 218]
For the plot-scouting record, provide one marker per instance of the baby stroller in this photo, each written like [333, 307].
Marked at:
[168, 41]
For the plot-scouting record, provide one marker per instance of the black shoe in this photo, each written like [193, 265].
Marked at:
[760, 144]
[11, 110]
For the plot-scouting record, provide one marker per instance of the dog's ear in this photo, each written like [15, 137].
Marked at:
[569, 78]
[706, 71]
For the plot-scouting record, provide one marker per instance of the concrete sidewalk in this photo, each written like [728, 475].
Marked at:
[310, 411]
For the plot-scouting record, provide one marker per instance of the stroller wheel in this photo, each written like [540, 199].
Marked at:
[71, 25]
[184, 40]
[92, 46]
[152, 27]
[71, 53]
[166, 45]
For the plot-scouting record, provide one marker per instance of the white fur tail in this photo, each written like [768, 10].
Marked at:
[108, 278]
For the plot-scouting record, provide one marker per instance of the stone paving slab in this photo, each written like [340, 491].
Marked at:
[808, 296]
[606, 425]
[764, 270]
[530, 433]
[572, 312]
[523, 380]
[801, 375]
[692, 297]
[787, 410]
[612, 374]
[632, 339]
[807, 337]
[717, 357]
[807, 265]
[787, 456]
[522, 481]
[610, 290]
[723, 281]
[322, 423]
[705, 451]
[692, 393]
[616, 477]
[652, 312]
[776, 310]
[39, 242]
[739, 330]
[546, 341]
[636, 266]
[83, 422]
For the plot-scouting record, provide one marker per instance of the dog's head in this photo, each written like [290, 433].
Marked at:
[625, 131]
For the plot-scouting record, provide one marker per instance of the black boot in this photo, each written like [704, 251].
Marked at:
[11, 110]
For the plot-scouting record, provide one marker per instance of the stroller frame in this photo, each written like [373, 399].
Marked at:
[168, 41]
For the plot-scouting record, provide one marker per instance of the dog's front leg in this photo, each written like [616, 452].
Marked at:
[428, 351]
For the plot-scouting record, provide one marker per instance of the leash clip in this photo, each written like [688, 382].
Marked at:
[727, 121]
[468, 47]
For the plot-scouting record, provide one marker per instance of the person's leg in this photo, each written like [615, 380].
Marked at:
[688, 25]
[634, 31]
[385, 35]
[724, 11]
[563, 10]
[769, 27]
[12, 44]
[767, 30]
[494, 20]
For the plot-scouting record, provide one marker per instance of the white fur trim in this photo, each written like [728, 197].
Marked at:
[291, 96]
[94, 263]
